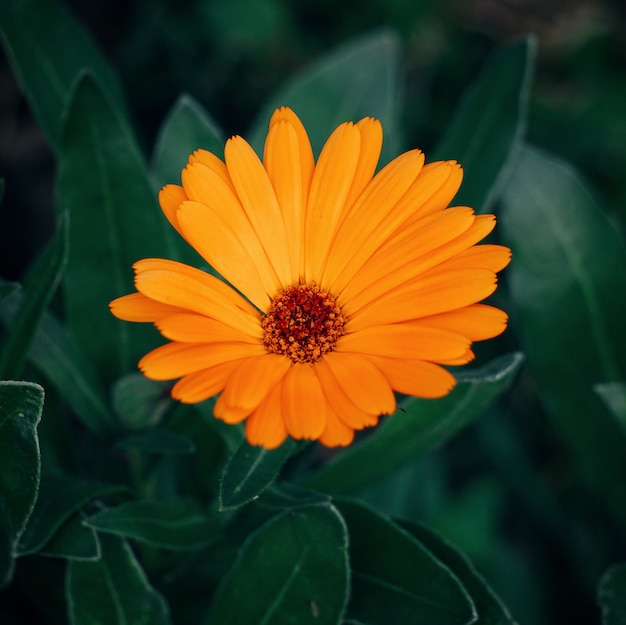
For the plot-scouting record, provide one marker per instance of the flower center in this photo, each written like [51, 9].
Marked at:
[303, 323]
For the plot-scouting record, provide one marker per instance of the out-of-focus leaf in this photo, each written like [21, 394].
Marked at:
[567, 283]
[138, 401]
[488, 606]
[395, 579]
[359, 79]
[113, 589]
[418, 426]
[73, 541]
[186, 128]
[39, 287]
[60, 496]
[21, 404]
[612, 595]
[293, 569]
[288, 495]
[178, 525]
[490, 122]
[49, 50]
[613, 394]
[114, 221]
[250, 471]
[233, 436]
[158, 442]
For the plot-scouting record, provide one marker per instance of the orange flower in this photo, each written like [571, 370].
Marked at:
[343, 285]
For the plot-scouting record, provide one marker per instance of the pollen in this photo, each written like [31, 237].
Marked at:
[303, 323]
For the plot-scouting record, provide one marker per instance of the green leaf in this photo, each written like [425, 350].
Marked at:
[186, 128]
[488, 606]
[359, 79]
[73, 541]
[39, 286]
[158, 442]
[21, 404]
[420, 424]
[115, 221]
[395, 580]
[112, 590]
[178, 525]
[612, 595]
[568, 306]
[32, 31]
[294, 569]
[139, 402]
[489, 123]
[60, 496]
[250, 471]
[613, 395]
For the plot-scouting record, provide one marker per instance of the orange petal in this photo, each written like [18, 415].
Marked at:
[266, 426]
[229, 414]
[336, 433]
[138, 307]
[171, 197]
[303, 403]
[477, 322]
[187, 327]
[214, 163]
[175, 360]
[492, 257]
[405, 341]
[258, 199]
[415, 377]
[199, 386]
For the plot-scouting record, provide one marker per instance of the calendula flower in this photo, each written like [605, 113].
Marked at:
[341, 285]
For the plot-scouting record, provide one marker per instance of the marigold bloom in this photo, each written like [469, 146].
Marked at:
[343, 285]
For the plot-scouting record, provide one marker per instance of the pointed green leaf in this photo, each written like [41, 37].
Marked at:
[569, 307]
[359, 79]
[112, 590]
[395, 579]
[21, 404]
[419, 425]
[612, 595]
[490, 122]
[73, 541]
[250, 471]
[179, 524]
[293, 569]
[49, 50]
[40, 284]
[488, 606]
[114, 221]
[60, 496]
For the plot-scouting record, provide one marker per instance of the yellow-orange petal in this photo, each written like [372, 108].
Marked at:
[179, 285]
[186, 327]
[174, 360]
[336, 433]
[214, 163]
[477, 322]
[201, 385]
[404, 341]
[304, 403]
[171, 196]
[364, 385]
[258, 199]
[229, 414]
[252, 380]
[415, 377]
[468, 356]
[487, 256]
[332, 179]
[266, 425]
[138, 307]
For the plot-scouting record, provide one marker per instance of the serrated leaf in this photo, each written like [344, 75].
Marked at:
[358, 79]
[419, 425]
[179, 524]
[489, 607]
[21, 404]
[113, 589]
[32, 31]
[40, 283]
[293, 569]
[612, 595]
[250, 471]
[567, 288]
[395, 579]
[114, 216]
[60, 496]
[489, 123]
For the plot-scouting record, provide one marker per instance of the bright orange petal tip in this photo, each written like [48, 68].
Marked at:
[343, 283]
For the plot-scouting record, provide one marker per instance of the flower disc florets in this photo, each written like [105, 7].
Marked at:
[303, 323]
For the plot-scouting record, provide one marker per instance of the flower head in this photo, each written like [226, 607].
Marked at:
[343, 285]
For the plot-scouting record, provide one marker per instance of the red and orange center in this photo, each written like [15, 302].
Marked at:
[303, 323]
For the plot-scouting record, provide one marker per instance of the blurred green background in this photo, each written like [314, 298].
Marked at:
[506, 491]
